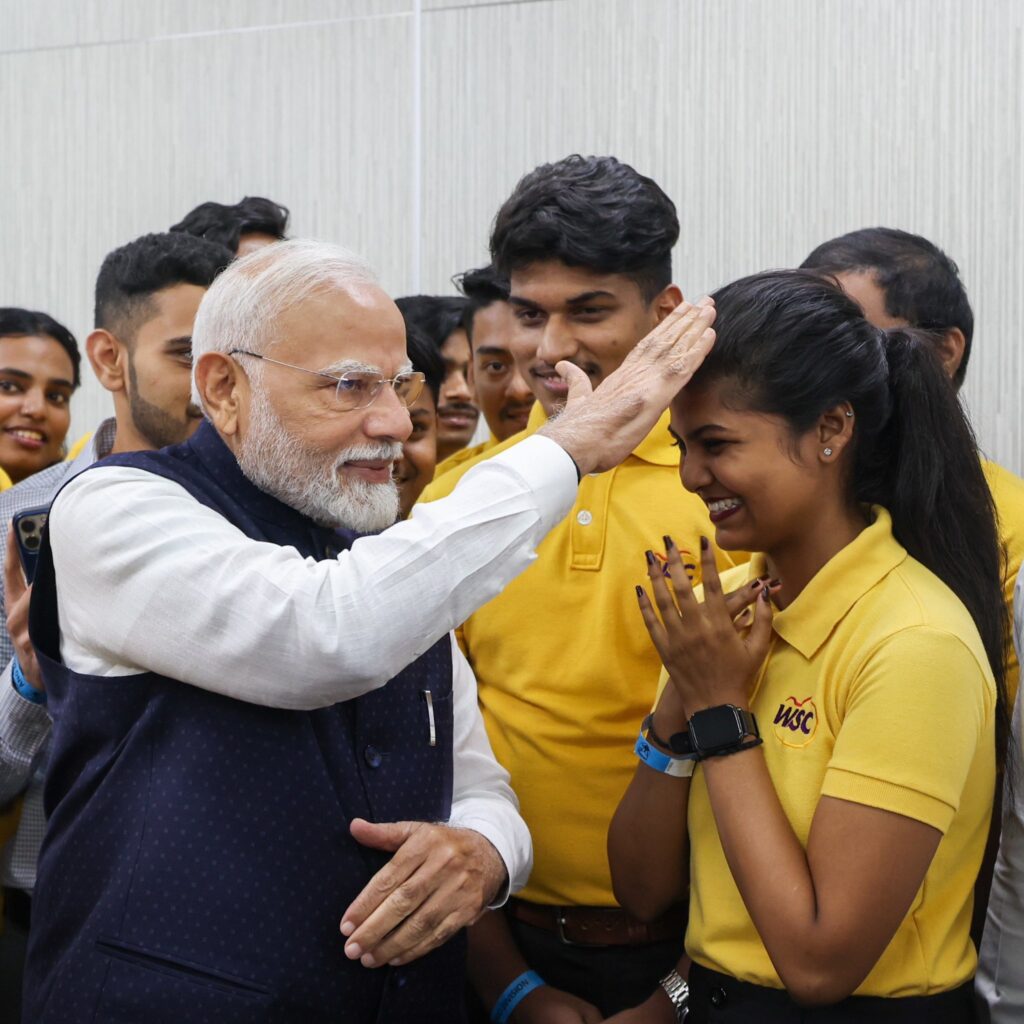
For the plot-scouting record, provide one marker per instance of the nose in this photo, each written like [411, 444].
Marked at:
[557, 342]
[456, 387]
[386, 419]
[33, 403]
[694, 471]
[518, 390]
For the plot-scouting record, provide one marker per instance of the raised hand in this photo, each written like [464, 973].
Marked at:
[600, 428]
[709, 652]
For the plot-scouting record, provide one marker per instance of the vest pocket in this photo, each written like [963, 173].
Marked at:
[182, 969]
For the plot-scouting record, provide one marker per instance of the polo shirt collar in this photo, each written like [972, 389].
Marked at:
[656, 448]
[838, 585]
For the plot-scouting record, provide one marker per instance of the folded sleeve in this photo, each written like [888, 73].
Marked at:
[912, 724]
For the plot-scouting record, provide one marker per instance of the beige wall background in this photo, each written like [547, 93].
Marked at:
[398, 126]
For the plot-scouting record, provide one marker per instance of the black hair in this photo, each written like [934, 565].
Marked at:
[424, 356]
[794, 345]
[15, 322]
[435, 316]
[131, 275]
[921, 284]
[592, 212]
[482, 287]
[225, 225]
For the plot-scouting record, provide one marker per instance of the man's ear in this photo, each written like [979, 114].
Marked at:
[109, 359]
[223, 388]
[666, 300]
[950, 348]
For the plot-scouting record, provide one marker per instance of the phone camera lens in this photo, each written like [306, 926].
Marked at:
[32, 542]
[28, 526]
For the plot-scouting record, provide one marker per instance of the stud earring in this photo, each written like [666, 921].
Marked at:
[849, 414]
[828, 451]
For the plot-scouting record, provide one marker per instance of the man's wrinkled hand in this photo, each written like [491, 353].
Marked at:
[17, 595]
[600, 428]
[439, 880]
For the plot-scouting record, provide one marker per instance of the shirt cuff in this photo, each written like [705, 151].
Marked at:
[24, 726]
[888, 796]
[546, 468]
[506, 831]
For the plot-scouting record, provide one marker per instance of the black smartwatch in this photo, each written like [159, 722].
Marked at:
[723, 730]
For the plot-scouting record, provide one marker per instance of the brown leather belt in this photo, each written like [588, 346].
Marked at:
[599, 926]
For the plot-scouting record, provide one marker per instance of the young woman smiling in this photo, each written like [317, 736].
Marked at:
[844, 740]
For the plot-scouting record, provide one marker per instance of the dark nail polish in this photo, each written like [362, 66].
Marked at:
[775, 582]
[757, 583]
[668, 543]
[763, 577]
[639, 591]
[649, 555]
[704, 544]
[765, 595]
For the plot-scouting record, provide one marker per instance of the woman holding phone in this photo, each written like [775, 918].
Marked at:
[823, 754]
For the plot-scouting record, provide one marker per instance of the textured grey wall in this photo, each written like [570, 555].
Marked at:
[398, 126]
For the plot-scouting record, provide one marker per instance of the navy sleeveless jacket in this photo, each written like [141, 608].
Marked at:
[197, 859]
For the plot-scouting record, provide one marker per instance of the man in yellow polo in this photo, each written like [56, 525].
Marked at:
[564, 668]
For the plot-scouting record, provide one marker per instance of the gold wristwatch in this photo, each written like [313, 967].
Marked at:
[678, 993]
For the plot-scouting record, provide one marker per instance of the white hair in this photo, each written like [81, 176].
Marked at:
[243, 304]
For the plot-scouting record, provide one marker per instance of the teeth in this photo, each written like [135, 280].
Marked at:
[724, 505]
[29, 435]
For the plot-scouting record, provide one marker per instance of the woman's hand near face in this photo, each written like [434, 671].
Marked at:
[710, 649]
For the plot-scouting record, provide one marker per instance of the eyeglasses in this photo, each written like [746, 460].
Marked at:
[358, 388]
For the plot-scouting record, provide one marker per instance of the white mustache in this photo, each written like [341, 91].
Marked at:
[386, 451]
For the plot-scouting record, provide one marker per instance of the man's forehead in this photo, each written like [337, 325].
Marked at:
[357, 322]
[551, 282]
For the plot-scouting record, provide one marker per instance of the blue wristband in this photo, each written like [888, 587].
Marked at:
[514, 995]
[23, 687]
[678, 767]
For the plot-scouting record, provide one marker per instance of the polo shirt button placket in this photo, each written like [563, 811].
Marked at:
[584, 517]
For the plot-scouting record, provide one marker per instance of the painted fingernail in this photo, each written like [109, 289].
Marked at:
[704, 544]
[639, 592]
[765, 596]
[668, 542]
[353, 951]
[763, 577]
[757, 583]
[649, 555]
[347, 928]
[775, 582]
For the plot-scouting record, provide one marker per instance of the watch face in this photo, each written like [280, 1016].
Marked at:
[715, 728]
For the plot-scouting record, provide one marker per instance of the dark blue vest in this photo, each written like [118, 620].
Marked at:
[197, 858]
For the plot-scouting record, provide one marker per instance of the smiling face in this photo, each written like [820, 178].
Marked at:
[763, 486]
[589, 318]
[503, 395]
[415, 469]
[36, 382]
[295, 441]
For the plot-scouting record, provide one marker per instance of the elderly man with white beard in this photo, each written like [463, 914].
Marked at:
[271, 796]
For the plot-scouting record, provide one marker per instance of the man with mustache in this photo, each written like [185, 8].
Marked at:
[147, 294]
[561, 655]
[271, 796]
[439, 318]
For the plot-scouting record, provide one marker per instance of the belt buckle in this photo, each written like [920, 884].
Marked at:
[561, 929]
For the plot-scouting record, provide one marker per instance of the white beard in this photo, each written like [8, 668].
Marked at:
[278, 463]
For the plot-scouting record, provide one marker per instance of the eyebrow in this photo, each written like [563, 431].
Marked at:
[355, 366]
[492, 350]
[705, 429]
[22, 375]
[185, 339]
[575, 300]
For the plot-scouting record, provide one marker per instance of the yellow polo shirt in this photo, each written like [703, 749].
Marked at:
[5, 481]
[876, 690]
[1008, 496]
[462, 456]
[565, 668]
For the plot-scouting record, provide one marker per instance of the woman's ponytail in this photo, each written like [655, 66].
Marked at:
[924, 467]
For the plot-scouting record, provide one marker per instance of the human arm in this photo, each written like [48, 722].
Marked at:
[826, 913]
[494, 962]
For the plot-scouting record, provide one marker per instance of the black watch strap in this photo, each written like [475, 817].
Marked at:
[679, 742]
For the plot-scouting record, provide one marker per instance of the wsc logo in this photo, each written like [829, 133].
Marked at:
[796, 721]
